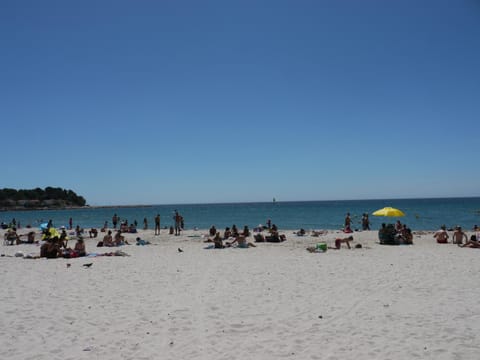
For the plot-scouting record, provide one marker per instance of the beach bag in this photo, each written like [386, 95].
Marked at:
[321, 247]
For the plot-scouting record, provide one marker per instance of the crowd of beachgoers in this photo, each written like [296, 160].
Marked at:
[54, 243]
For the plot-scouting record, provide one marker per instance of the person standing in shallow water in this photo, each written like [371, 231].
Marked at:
[157, 224]
[178, 222]
[348, 223]
[115, 221]
[365, 222]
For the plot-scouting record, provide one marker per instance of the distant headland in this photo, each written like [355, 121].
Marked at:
[35, 199]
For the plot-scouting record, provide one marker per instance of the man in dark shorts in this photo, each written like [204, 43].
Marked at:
[157, 224]
[115, 221]
[178, 222]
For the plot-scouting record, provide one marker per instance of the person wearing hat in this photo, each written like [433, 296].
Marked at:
[441, 235]
[459, 235]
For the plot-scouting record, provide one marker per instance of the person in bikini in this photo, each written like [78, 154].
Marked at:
[472, 243]
[340, 241]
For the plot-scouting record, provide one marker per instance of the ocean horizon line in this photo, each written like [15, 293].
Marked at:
[276, 201]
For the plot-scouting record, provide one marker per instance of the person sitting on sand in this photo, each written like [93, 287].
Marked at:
[235, 232]
[476, 230]
[80, 248]
[398, 226]
[132, 229]
[347, 229]
[142, 242]
[241, 242]
[124, 226]
[301, 232]
[78, 230]
[63, 238]
[119, 239]
[31, 237]
[441, 235]
[12, 237]
[93, 233]
[473, 243]
[275, 236]
[246, 231]
[227, 233]
[259, 238]
[406, 236]
[51, 248]
[218, 241]
[340, 241]
[458, 236]
[108, 239]
[212, 231]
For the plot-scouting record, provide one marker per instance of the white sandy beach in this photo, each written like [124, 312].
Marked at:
[273, 301]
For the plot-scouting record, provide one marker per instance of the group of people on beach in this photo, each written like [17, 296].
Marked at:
[232, 236]
[398, 234]
[347, 227]
[110, 241]
[458, 236]
[55, 244]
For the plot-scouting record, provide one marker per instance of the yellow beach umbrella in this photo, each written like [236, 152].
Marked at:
[388, 211]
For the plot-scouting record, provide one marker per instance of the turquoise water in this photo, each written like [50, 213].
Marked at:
[421, 214]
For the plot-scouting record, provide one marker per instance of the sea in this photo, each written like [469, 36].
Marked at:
[420, 214]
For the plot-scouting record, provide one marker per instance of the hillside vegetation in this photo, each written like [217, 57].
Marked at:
[50, 197]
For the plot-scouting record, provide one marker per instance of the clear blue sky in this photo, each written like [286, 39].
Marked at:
[160, 102]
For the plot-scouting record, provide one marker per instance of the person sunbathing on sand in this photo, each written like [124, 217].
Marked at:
[119, 239]
[241, 242]
[473, 243]
[318, 233]
[142, 242]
